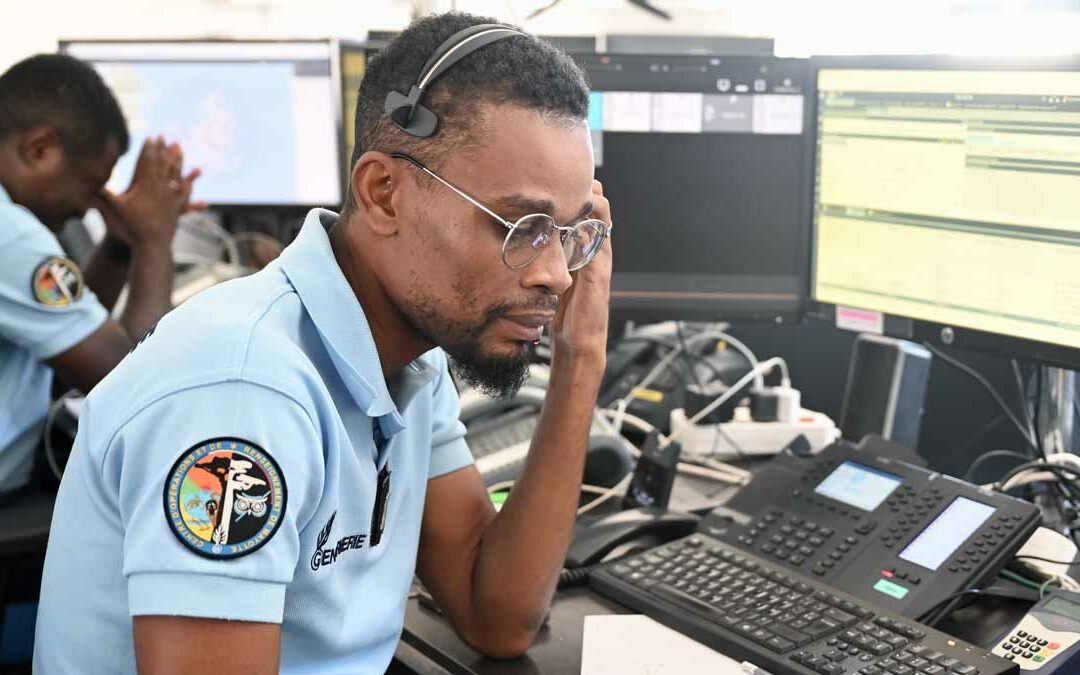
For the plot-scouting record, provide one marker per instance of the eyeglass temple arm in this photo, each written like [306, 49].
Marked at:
[507, 224]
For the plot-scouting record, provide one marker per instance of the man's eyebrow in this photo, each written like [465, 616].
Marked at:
[586, 210]
[521, 203]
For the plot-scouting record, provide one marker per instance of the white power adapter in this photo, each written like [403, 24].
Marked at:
[1045, 543]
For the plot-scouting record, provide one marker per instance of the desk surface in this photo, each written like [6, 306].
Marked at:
[557, 649]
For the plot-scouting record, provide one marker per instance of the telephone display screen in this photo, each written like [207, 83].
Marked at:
[859, 486]
[947, 533]
[1063, 607]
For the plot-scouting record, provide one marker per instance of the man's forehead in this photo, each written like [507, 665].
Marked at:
[532, 163]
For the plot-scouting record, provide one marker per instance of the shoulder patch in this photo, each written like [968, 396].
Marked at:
[225, 497]
[57, 282]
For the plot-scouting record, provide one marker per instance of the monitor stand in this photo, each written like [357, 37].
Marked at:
[1058, 408]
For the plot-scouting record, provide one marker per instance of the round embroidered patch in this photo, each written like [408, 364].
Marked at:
[57, 282]
[225, 498]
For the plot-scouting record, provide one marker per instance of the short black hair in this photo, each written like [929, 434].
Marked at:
[521, 69]
[66, 94]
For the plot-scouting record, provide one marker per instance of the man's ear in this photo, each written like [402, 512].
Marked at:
[375, 179]
[39, 150]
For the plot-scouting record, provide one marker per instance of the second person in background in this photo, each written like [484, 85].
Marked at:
[61, 133]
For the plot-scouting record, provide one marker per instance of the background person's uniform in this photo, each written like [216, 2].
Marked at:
[283, 367]
[45, 310]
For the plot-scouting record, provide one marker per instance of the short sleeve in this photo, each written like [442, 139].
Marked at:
[215, 484]
[449, 452]
[45, 306]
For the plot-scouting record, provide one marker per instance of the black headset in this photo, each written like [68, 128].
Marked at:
[407, 111]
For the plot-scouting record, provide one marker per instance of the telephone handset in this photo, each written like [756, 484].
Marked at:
[897, 535]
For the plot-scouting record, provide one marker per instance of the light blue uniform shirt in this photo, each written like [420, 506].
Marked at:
[45, 310]
[284, 364]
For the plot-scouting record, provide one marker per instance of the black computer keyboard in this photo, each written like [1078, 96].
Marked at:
[779, 620]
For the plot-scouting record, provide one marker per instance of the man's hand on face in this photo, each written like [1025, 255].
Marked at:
[146, 213]
[580, 326]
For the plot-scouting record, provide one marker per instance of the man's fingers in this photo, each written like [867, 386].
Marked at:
[175, 155]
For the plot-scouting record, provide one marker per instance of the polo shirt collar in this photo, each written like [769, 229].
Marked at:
[313, 271]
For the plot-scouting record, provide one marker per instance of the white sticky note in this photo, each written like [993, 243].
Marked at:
[631, 644]
[627, 111]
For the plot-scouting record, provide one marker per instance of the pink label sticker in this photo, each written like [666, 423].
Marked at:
[860, 320]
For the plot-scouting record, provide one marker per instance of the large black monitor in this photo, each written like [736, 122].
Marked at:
[702, 159]
[260, 118]
[946, 202]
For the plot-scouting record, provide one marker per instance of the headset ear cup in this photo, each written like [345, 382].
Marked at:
[397, 107]
[421, 123]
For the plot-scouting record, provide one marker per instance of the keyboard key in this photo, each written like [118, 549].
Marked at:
[779, 644]
[966, 670]
[933, 669]
[761, 635]
[800, 655]
[947, 662]
[798, 638]
[820, 628]
[871, 670]
[839, 616]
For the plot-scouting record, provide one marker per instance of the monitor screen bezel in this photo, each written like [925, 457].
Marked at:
[334, 53]
[919, 330]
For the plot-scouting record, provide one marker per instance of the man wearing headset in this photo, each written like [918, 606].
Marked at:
[252, 490]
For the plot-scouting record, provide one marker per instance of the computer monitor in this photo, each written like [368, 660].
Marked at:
[702, 159]
[259, 118]
[946, 201]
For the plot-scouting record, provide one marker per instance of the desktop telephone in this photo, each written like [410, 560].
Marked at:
[896, 535]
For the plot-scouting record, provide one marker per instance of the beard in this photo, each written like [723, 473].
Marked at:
[495, 375]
